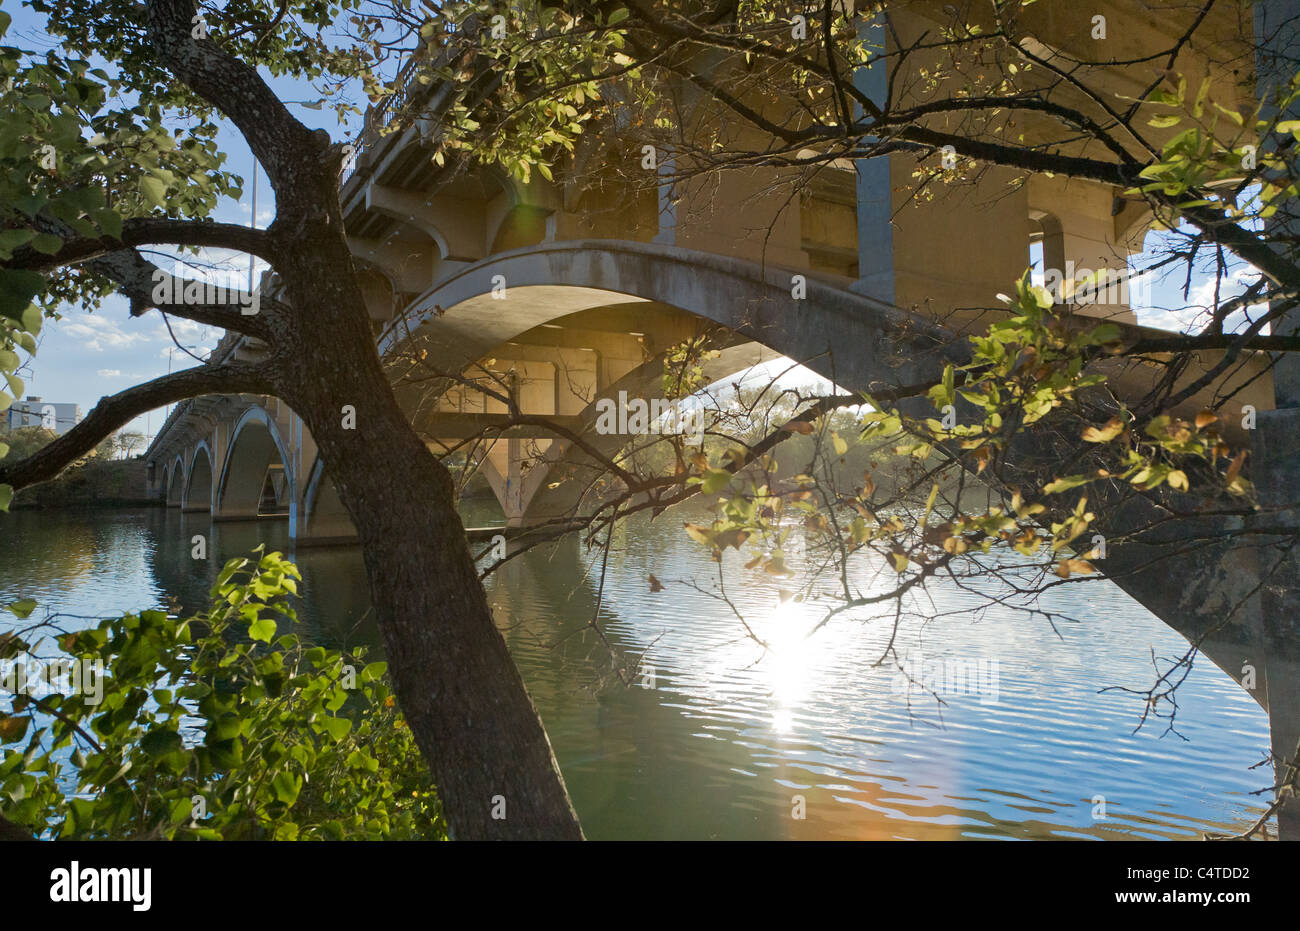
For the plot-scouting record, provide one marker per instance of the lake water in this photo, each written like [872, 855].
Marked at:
[716, 737]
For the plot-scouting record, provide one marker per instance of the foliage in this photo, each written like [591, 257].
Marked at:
[106, 448]
[1196, 161]
[1021, 369]
[21, 442]
[544, 65]
[212, 727]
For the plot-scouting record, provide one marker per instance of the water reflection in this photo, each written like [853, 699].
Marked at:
[716, 736]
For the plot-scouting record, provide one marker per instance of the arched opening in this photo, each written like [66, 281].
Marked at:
[254, 481]
[198, 490]
[176, 484]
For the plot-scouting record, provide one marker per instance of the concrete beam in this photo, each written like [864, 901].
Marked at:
[408, 265]
[454, 223]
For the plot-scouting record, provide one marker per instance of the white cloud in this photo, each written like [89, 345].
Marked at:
[97, 332]
[109, 373]
[1195, 312]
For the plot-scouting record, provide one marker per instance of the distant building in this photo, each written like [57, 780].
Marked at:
[35, 412]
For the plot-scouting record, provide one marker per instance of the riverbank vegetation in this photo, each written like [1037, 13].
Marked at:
[220, 726]
[107, 477]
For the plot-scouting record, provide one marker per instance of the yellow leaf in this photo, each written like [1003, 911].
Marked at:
[929, 504]
[1105, 434]
[1077, 566]
[699, 534]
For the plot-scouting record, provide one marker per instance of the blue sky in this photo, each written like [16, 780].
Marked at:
[84, 356]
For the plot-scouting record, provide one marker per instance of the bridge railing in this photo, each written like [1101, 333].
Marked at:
[410, 91]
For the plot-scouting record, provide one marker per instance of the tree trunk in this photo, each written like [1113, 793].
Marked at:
[458, 686]
[456, 683]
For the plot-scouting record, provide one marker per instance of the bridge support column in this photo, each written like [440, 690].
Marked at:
[1276, 472]
[875, 189]
[513, 503]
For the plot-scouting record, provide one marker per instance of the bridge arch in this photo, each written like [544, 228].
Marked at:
[198, 484]
[176, 482]
[256, 480]
[853, 340]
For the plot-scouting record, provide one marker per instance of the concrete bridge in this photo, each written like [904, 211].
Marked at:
[557, 295]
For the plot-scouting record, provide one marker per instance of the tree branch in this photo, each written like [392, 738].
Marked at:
[138, 278]
[276, 137]
[143, 231]
[1234, 341]
[119, 409]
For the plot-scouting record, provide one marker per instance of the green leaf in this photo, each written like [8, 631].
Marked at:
[715, 480]
[30, 320]
[153, 190]
[47, 243]
[929, 504]
[12, 239]
[17, 288]
[6, 495]
[21, 609]
[338, 728]
[262, 629]
[287, 786]
[1106, 333]
[110, 221]
[1230, 114]
[1065, 484]
[161, 741]
[13, 728]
